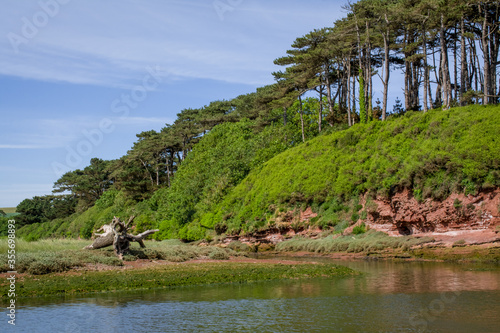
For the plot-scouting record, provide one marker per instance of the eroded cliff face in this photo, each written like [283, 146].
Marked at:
[402, 214]
[471, 219]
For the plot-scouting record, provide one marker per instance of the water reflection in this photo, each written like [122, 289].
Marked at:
[390, 297]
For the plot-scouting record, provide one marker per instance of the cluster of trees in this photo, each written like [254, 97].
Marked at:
[446, 49]
[45, 208]
[437, 44]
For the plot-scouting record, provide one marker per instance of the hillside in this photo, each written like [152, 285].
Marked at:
[232, 184]
[432, 155]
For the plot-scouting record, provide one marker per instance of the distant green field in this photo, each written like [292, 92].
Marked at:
[10, 211]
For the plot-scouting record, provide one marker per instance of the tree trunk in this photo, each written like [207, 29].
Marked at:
[148, 172]
[386, 36]
[444, 66]
[353, 98]
[438, 100]
[115, 234]
[426, 67]
[486, 57]
[329, 91]
[348, 88]
[320, 113]
[494, 49]
[455, 67]
[463, 63]
[301, 111]
[368, 78]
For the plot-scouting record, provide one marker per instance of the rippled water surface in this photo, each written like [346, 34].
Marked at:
[389, 297]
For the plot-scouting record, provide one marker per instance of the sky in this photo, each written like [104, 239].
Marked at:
[80, 78]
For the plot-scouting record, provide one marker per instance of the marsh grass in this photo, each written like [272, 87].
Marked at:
[44, 245]
[370, 241]
[59, 255]
[168, 276]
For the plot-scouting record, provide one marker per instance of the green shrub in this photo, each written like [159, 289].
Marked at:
[359, 229]
[218, 254]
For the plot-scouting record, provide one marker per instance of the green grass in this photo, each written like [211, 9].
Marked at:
[166, 276]
[365, 242]
[48, 256]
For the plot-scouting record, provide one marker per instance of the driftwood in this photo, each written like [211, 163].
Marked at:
[116, 234]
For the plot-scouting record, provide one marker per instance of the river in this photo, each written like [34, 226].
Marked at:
[388, 297]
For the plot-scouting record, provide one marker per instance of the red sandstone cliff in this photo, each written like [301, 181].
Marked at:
[402, 214]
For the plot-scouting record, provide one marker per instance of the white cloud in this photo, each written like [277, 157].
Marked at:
[22, 146]
[110, 43]
[139, 121]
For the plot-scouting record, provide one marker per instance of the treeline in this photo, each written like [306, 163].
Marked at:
[437, 44]
[447, 50]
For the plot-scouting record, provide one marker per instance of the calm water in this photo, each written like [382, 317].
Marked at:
[390, 297]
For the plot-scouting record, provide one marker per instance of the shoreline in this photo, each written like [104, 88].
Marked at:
[151, 274]
[247, 267]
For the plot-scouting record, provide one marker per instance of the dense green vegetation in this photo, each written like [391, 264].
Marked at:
[433, 154]
[314, 138]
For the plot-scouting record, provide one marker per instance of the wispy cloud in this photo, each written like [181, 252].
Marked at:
[108, 43]
[16, 146]
[59, 133]
[139, 121]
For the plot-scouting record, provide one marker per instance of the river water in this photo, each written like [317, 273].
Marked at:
[389, 297]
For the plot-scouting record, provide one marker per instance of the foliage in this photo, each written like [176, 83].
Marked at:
[88, 184]
[359, 229]
[436, 153]
[189, 177]
[45, 208]
[217, 163]
[362, 100]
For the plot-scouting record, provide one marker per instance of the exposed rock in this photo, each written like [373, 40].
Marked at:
[404, 215]
[307, 215]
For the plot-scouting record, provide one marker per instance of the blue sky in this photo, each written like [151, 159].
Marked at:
[67, 67]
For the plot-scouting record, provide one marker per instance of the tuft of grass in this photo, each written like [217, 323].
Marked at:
[239, 246]
[370, 241]
[57, 245]
[459, 242]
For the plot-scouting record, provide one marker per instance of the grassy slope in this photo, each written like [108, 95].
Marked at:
[433, 154]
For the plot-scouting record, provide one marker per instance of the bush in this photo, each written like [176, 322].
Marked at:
[218, 254]
[359, 229]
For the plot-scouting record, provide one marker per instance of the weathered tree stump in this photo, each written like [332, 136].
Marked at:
[116, 234]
